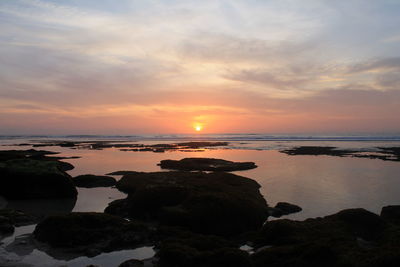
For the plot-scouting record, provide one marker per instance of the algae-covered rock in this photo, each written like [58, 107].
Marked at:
[205, 164]
[28, 179]
[178, 247]
[91, 233]
[90, 181]
[353, 237]
[132, 263]
[10, 218]
[391, 213]
[213, 203]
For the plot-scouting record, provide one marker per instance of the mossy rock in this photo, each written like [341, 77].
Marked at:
[352, 237]
[183, 248]
[91, 233]
[211, 203]
[91, 181]
[206, 164]
[28, 179]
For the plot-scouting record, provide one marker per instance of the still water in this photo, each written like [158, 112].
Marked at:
[321, 185]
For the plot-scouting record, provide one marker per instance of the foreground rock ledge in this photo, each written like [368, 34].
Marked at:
[351, 238]
[213, 203]
[91, 233]
[206, 164]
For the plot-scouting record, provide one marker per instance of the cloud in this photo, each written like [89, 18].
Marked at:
[282, 81]
[257, 63]
[380, 64]
[389, 80]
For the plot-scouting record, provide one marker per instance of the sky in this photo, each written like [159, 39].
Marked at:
[232, 66]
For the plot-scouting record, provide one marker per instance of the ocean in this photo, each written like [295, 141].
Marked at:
[320, 184]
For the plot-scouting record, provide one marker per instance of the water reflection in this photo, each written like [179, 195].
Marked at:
[321, 185]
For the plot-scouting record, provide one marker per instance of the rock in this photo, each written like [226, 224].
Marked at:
[383, 153]
[65, 166]
[353, 237]
[36, 155]
[213, 203]
[181, 255]
[90, 181]
[10, 218]
[18, 218]
[184, 248]
[6, 226]
[29, 179]
[24, 154]
[132, 263]
[91, 233]
[287, 208]
[201, 144]
[351, 222]
[283, 208]
[42, 207]
[360, 222]
[121, 173]
[318, 150]
[98, 145]
[391, 213]
[205, 164]
[277, 213]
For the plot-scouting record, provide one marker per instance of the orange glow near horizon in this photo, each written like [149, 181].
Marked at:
[198, 127]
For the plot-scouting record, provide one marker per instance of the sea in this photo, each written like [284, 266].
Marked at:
[321, 184]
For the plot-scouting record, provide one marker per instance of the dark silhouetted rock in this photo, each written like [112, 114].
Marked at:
[10, 218]
[90, 181]
[283, 208]
[91, 233]
[361, 222]
[18, 218]
[122, 173]
[353, 237]
[275, 212]
[36, 155]
[6, 227]
[213, 203]
[383, 153]
[126, 146]
[201, 144]
[27, 179]
[287, 208]
[391, 213]
[132, 263]
[205, 164]
[317, 150]
[42, 207]
[184, 248]
[181, 255]
[24, 154]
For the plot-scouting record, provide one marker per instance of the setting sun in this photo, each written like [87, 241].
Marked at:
[198, 127]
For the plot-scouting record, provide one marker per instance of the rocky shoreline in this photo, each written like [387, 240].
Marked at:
[382, 153]
[127, 146]
[200, 215]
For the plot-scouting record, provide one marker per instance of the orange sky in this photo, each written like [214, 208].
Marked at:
[72, 67]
